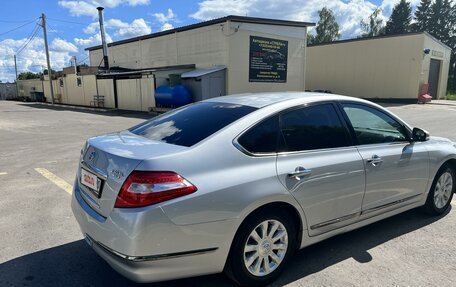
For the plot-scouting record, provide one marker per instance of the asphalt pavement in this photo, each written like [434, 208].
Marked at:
[41, 244]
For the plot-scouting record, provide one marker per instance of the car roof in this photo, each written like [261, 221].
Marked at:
[260, 100]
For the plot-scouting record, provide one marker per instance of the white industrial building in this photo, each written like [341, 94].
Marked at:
[228, 55]
[395, 68]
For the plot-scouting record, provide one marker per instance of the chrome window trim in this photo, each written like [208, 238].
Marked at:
[238, 146]
[382, 144]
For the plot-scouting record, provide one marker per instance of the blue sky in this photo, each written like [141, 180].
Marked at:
[73, 23]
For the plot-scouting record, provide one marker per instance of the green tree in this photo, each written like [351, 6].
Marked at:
[400, 19]
[327, 27]
[440, 21]
[45, 72]
[310, 38]
[28, 76]
[423, 16]
[373, 25]
[452, 44]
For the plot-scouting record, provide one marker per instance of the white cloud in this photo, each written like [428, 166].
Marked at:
[91, 41]
[167, 26]
[387, 5]
[163, 18]
[138, 2]
[89, 7]
[32, 58]
[136, 28]
[61, 45]
[348, 13]
[166, 20]
[121, 29]
[80, 8]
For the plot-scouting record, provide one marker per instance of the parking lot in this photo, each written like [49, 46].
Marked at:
[41, 244]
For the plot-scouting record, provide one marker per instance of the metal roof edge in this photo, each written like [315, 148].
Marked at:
[368, 38]
[234, 18]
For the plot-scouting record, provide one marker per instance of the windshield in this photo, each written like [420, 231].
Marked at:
[191, 124]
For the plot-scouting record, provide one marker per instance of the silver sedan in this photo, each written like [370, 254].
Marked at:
[239, 183]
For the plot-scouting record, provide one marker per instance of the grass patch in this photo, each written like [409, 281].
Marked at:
[451, 96]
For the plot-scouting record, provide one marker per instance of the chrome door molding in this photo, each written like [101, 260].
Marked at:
[384, 206]
[367, 211]
[334, 221]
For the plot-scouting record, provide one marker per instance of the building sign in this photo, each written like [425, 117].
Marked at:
[437, 53]
[268, 60]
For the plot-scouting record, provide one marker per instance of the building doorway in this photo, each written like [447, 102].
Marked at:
[434, 76]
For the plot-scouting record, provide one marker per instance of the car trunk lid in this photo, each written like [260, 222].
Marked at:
[108, 160]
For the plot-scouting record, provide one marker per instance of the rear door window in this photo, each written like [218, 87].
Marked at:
[313, 127]
[261, 138]
[191, 124]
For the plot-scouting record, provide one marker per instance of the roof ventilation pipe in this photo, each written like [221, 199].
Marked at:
[103, 38]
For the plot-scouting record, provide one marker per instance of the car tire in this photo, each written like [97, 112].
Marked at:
[441, 192]
[257, 262]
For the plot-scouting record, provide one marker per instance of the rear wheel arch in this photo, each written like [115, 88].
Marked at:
[278, 207]
[277, 210]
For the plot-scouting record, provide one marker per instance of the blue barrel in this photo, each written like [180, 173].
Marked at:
[172, 97]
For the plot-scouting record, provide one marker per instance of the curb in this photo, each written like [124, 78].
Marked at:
[443, 104]
[103, 110]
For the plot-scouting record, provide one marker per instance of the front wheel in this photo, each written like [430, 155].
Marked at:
[442, 190]
[261, 248]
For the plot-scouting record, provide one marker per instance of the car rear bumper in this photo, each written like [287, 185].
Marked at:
[145, 246]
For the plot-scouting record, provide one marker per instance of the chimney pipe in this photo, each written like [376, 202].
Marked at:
[75, 63]
[103, 38]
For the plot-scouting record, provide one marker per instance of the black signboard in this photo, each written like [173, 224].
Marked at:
[268, 60]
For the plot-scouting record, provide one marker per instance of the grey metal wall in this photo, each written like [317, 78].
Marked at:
[8, 91]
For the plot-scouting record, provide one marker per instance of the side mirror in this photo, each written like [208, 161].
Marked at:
[419, 135]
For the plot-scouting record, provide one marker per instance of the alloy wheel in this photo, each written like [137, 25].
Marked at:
[443, 190]
[265, 247]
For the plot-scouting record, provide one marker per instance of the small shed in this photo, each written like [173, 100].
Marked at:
[206, 83]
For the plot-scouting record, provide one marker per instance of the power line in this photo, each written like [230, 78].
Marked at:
[66, 21]
[28, 23]
[37, 29]
[16, 21]
[54, 31]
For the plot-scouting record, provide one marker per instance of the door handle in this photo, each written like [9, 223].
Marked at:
[299, 172]
[374, 160]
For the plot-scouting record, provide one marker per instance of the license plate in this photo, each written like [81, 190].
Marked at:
[91, 181]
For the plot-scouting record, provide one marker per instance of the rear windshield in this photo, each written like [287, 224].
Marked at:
[191, 124]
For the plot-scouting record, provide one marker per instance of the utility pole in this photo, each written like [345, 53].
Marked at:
[43, 24]
[15, 69]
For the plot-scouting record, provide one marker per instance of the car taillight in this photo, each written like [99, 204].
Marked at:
[143, 188]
